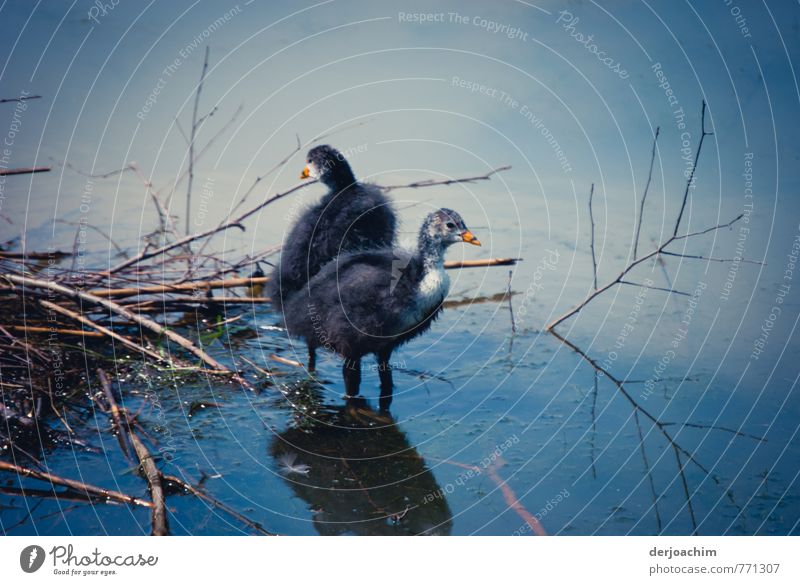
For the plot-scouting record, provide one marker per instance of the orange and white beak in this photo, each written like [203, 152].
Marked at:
[470, 238]
[306, 174]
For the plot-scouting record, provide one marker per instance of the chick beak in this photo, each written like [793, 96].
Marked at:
[469, 238]
[306, 172]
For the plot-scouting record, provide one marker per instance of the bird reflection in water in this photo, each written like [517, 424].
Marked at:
[359, 473]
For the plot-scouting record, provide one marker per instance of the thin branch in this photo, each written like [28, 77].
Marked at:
[690, 180]
[201, 285]
[433, 183]
[591, 219]
[705, 231]
[669, 290]
[22, 98]
[237, 222]
[192, 138]
[453, 264]
[710, 259]
[23, 171]
[644, 194]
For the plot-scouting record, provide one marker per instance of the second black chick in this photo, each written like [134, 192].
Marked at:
[372, 302]
[351, 216]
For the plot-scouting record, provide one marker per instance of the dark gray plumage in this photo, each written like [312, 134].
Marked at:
[373, 301]
[351, 216]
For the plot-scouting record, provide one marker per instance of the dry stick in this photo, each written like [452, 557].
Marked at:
[432, 183]
[644, 194]
[89, 490]
[152, 475]
[690, 181]
[200, 301]
[23, 171]
[591, 220]
[116, 414]
[285, 361]
[106, 331]
[197, 492]
[159, 515]
[48, 330]
[710, 259]
[192, 137]
[453, 264]
[203, 285]
[123, 312]
[20, 99]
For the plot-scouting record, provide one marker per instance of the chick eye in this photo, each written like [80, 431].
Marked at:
[451, 225]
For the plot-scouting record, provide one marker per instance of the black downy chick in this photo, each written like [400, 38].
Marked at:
[371, 302]
[351, 216]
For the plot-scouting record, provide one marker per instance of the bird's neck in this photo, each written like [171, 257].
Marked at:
[430, 253]
[339, 179]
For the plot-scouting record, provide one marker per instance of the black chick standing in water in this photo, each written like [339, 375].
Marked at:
[351, 216]
[374, 301]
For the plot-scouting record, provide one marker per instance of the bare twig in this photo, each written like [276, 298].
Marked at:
[200, 285]
[710, 259]
[642, 285]
[23, 171]
[23, 98]
[237, 223]
[433, 183]
[193, 131]
[591, 243]
[453, 264]
[644, 194]
[285, 361]
[56, 330]
[690, 180]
